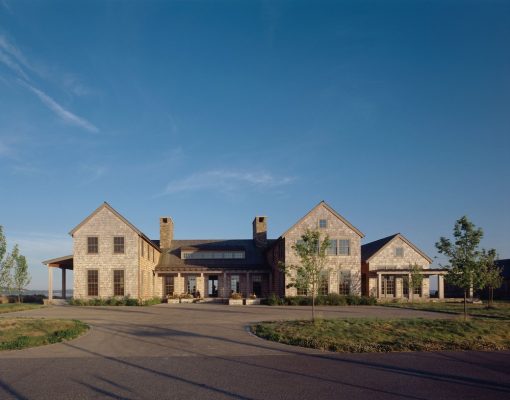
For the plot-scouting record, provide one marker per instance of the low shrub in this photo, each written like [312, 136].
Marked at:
[236, 296]
[114, 301]
[151, 302]
[331, 299]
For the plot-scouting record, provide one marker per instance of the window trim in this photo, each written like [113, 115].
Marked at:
[325, 223]
[97, 244]
[88, 282]
[348, 247]
[123, 245]
[399, 249]
[123, 282]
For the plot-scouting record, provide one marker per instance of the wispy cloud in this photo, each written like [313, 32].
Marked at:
[93, 173]
[227, 181]
[64, 114]
[73, 84]
[5, 151]
[12, 57]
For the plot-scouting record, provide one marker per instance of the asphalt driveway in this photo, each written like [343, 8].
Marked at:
[203, 351]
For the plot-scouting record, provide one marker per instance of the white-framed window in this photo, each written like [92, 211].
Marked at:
[323, 223]
[212, 255]
[332, 248]
[234, 284]
[344, 247]
[324, 284]
[344, 282]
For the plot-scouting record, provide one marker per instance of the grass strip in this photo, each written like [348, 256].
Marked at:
[376, 335]
[500, 310]
[20, 333]
[13, 307]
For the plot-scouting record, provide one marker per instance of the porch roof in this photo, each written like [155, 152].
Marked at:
[65, 262]
[407, 271]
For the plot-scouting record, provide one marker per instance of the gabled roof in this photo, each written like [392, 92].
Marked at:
[254, 256]
[118, 215]
[371, 249]
[330, 209]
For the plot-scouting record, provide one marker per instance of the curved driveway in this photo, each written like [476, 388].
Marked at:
[202, 351]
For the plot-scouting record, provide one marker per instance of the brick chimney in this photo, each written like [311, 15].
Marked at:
[166, 232]
[260, 231]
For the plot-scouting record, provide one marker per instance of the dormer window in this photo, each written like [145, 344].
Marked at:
[323, 223]
[212, 255]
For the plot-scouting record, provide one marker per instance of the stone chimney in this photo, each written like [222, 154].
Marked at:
[260, 231]
[166, 232]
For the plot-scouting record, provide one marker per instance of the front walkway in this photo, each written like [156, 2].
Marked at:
[203, 351]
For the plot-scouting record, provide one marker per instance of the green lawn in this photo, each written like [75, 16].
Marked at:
[12, 307]
[375, 335]
[19, 333]
[501, 310]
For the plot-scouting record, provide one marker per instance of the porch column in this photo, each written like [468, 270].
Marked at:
[379, 285]
[225, 286]
[64, 283]
[410, 290]
[440, 286]
[247, 288]
[50, 283]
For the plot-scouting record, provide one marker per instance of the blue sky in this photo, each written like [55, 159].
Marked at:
[395, 113]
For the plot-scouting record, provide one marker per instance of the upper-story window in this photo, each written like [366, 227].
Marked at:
[212, 255]
[93, 245]
[340, 247]
[118, 244]
[399, 252]
[323, 223]
[332, 248]
[344, 247]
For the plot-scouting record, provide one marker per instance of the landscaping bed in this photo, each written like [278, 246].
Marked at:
[115, 301]
[331, 299]
[13, 307]
[376, 335]
[500, 310]
[20, 333]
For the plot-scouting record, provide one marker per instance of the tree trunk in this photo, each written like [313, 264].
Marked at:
[491, 296]
[465, 304]
[313, 302]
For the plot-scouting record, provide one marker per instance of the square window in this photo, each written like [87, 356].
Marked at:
[323, 223]
[399, 252]
[92, 245]
[118, 244]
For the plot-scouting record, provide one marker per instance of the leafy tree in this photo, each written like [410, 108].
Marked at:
[465, 269]
[5, 263]
[308, 274]
[416, 279]
[20, 275]
[491, 273]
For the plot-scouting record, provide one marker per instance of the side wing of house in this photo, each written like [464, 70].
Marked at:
[112, 258]
[388, 268]
[344, 255]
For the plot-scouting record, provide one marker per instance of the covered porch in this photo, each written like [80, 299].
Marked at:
[394, 284]
[63, 263]
[214, 283]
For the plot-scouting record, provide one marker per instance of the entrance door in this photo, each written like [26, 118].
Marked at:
[212, 286]
[257, 289]
[388, 286]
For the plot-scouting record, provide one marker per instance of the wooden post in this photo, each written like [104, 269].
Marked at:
[379, 286]
[247, 289]
[50, 284]
[440, 286]
[64, 283]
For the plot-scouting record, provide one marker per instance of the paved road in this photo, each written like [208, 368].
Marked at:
[202, 351]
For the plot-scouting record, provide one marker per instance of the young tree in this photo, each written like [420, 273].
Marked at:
[491, 273]
[416, 279]
[20, 275]
[307, 275]
[463, 256]
[5, 263]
